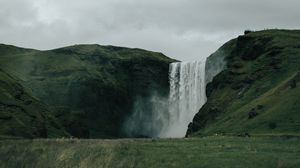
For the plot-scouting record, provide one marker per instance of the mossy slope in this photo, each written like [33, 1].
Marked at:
[91, 88]
[258, 92]
[21, 115]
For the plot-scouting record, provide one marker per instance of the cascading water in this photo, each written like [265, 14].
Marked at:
[157, 116]
[187, 96]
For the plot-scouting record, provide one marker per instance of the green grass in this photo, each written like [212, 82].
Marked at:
[21, 115]
[215, 151]
[260, 68]
[89, 89]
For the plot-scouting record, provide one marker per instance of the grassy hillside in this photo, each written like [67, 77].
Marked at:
[258, 92]
[91, 89]
[21, 115]
[199, 152]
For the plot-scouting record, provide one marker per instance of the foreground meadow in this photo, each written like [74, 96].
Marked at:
[215, 151]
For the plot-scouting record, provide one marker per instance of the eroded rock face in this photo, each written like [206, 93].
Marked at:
[258, 72]
[215, 64]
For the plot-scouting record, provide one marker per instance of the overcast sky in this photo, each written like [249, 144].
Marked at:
[183, 29]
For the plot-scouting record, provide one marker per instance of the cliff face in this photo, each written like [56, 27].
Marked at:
[90, 88]
[256, 92]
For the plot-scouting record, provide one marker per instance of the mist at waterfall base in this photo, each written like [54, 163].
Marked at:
[168, 117]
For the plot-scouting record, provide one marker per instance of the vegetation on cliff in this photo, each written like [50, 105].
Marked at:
[257, 92]
[23, 116]
[90, 89]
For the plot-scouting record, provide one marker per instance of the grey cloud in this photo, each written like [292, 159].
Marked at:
[182, 29]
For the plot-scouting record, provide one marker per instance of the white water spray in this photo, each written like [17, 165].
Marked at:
[187, 96]
[157, 116]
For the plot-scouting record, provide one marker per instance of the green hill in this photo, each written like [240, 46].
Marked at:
[89, 88]
[21, 115]
[258, 91]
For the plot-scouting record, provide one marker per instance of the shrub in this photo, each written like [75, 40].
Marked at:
[247, 32]
[252, 114]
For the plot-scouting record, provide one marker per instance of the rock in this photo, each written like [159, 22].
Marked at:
[247, 32]
[293, 84]
[252, 114]
[189, 130]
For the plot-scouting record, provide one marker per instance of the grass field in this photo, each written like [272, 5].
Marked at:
[214, 151]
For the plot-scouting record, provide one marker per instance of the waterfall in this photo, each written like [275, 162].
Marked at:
[187, 96]
[157, 116]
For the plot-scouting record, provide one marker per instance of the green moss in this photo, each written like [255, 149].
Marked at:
[90, 88]
[260, 68]
[21, 115]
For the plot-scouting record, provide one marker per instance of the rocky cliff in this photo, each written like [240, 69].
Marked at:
[257, 91]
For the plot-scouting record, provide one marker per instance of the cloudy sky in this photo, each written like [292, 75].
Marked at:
[183, 29]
